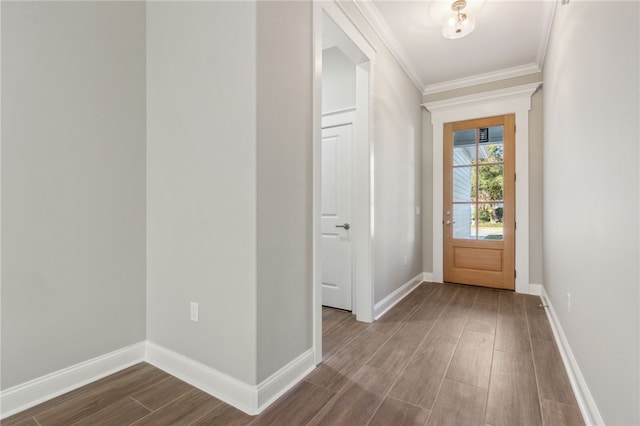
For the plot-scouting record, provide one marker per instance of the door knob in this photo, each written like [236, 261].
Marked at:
[345, 226]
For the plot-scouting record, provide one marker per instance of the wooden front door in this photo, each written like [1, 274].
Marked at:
[479, 202]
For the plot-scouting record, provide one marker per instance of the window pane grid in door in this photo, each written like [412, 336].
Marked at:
[490, 183]
[489, 223]
[464, 226]
[464, 183]
[465, 147]
[478, 183]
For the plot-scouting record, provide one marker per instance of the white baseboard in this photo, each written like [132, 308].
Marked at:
[272, 388]
[388, 302]
[252, 399]
[36, 391]
[535, 289]
[224, 387]
[587, 404]
[427, 276]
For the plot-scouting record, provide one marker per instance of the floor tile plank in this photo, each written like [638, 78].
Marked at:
[552, 377]
[22, 421]
[398, 350]
[122, 412]
[458, 404]
[161, 393]
[332, 317]
[357, 403]
[483, 317]
[397, 413]
[465, 297]
[184, 410]
[405, 308]
[513, 393]
[59, 400]
[418, 384]
[539, 327]
[471, 363]
[512, 333]
[434, 304]
[488, 296]
[356, 353]
[95, 400]
[301, 404]
[450, 324]
[225, 415]
[327, 377]
[556, 413]
[339, 335]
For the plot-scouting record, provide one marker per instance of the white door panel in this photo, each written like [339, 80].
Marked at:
[336, 217]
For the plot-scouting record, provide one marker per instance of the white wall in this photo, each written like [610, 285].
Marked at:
[229, 183]
[284, 176]
[338, 81]
[427, 192]
[201, 182]
[397, 133]
[397, 184]
[536, 201]
[591, 185]
[73, 183]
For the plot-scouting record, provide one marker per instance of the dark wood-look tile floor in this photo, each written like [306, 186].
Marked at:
[445, 355]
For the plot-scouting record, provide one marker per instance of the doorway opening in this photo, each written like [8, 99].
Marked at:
[342, 158]
[513, 100]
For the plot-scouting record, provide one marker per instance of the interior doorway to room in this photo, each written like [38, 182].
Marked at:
[342, 157]
[344, 122]
[479, 202]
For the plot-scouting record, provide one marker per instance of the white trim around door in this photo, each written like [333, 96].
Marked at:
[514, 100]
[363, 159]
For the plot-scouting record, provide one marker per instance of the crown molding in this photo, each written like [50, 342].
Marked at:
[489, 77]
[382, 30]
[509, 93]
[549, 13]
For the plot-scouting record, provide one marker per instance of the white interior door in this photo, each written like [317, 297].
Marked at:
[336, 217]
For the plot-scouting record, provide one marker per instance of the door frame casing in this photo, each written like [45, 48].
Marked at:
[514, 100]
[362, 193]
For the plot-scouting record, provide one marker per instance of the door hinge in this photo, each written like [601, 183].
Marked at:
[515, 225]
[515, 274]
[515, 176]
[514, 128]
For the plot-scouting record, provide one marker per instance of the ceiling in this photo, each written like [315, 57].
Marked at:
[509, 39]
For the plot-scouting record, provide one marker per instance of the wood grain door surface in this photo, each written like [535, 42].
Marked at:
[479, 202]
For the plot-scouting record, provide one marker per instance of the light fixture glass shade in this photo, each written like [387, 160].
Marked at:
[458, 26]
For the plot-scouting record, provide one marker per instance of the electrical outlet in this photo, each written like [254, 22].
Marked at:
[194, 312]
[405, 261]
[568, 301]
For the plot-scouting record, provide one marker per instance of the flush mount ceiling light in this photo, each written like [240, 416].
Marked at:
[460, 24]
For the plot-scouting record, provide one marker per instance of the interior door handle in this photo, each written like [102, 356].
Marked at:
[450, 222]
[345, 226]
